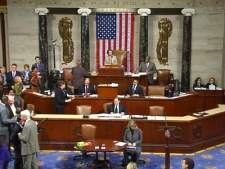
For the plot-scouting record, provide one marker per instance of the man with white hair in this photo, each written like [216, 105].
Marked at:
[29, 140]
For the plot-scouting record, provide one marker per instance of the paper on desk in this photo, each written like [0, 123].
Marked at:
[120, 144]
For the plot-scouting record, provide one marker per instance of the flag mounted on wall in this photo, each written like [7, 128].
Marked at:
[115, 31]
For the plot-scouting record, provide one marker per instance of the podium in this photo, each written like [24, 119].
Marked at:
[107, 91]
[111, 70]
[167, 130]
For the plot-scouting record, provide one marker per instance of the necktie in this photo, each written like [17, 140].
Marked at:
[146, 67]
[86, 89]
[116, 109]
[133, 89]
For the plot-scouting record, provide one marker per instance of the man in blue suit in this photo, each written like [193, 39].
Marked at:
[117, 108]
[11, 75]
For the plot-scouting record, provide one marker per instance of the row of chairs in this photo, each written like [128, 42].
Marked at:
[86, 110]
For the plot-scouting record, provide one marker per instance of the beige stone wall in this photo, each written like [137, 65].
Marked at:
[207, 35]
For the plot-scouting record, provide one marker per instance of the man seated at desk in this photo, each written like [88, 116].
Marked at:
[110, 59]
[86, 88]
[134, 90]
[117, 108]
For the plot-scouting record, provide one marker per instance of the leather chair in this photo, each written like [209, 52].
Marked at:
[121, 56]
[86, 132]
[144, 88]
[105, 107]
[156, 90]
[67, 77]
[84, 110]
[163, 76]
[156, 110]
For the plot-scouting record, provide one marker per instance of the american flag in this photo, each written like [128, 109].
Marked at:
[116, 32]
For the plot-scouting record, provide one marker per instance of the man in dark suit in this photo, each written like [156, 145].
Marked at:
[29, 141]
[17, 128]
[78, 73]
[149, 68]
[60, 98]
[116, 107]
[5, 121]
[11, 75]
[86, 88]
[134, 89]
[41, 71]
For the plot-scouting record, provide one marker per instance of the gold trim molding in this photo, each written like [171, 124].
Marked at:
[3, 9]
[125, 10]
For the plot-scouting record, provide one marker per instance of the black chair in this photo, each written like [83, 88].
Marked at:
[87, 133]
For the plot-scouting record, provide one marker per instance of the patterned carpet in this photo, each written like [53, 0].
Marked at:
[210, 158]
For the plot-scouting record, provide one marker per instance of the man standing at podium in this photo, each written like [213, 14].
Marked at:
[110, 59]
[134, 90]
[149, 68]
[117, 108]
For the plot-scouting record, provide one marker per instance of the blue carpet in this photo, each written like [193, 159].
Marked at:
[210, 158]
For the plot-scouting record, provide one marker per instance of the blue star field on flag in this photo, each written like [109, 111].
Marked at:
[106, 26]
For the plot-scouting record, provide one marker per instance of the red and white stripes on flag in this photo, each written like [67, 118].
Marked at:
[124, 41]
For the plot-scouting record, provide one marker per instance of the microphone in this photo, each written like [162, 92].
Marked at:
[108, 81]
[43, 120]
[165, 119]
[167, 132]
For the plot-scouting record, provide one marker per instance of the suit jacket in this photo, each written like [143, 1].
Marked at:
[17, 128]
[122, 108]
[18, 88]
[136, 137]
[10, 78]
[10, 110]
[29, 139]
[196, 86]
[78, 76]
[41, 70]
[138, 90]
[60, 97]
[91, 89]
[151, 69]
[5, 121]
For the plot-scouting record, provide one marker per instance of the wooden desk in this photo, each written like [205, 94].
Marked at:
[122, 81]
[179, 106]
[208, 99]
[109, 147]
[191, 134]
[106, 90]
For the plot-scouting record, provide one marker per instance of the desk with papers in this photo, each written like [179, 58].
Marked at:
[190, 134]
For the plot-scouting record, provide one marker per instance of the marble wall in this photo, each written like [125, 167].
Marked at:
[207, 34]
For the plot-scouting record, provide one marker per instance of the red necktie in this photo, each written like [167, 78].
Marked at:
[86, 89]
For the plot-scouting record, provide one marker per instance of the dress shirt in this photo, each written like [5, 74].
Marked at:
[86, 89]
[13, 109]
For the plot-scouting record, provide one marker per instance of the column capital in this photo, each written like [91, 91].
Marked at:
[144, 11]
[84, 11]
[188, 11]
[41, 11]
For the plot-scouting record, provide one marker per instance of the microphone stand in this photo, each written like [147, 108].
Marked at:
[167, 130]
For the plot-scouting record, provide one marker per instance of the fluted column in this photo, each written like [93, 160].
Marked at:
[85, 48]
[4, 53]
[43, 40]
[143, 36]
[186, 51]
